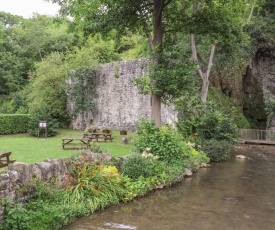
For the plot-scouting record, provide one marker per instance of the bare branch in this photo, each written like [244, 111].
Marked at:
[210, 61]
[195, 56]
[251, 13]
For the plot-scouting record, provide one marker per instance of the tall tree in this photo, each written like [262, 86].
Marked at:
[220, 24]
[153, 17]
[26, 41]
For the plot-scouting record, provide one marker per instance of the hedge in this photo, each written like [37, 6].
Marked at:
[14, 123]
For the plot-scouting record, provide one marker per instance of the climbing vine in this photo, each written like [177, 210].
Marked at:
[82, 90]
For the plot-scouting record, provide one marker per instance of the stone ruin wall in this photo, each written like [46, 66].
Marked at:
[118, 102]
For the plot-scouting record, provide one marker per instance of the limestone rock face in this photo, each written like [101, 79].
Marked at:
[263, 70]
[253, 86]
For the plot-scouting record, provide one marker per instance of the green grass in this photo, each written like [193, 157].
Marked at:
[30, 149]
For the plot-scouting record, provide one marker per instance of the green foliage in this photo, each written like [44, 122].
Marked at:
[82, 68]
[16, 216]
[136, 166]
[82, 90]
[261, 29]
[26, 41]
[217, 150]
[14, 123]
[17, 104]
[53, 214]
[195, 158]
[48, 99]
[146, 126]
[164, 143]
[96, 185]
[46, 209]
[95, 50]
[230, 106]
[219, 121]
[49, 87]
[167, 174]
[95, 148]
[172, 78]
[270, 108]
[132, 46]
[138, 187]
[190, 114]
[218, 126]
[41, 114]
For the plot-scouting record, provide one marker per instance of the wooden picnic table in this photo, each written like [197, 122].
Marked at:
[98, 136]
[5, 159]
[76, 143]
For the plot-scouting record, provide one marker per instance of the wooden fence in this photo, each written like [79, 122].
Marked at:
[257, 136]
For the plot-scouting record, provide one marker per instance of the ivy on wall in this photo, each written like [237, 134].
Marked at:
[82, 90]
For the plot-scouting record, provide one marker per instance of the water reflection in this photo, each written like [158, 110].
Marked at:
[237, 194]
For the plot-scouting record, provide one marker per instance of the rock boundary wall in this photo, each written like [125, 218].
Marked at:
[20, 174]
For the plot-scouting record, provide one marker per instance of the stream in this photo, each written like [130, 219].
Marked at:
[237, 194]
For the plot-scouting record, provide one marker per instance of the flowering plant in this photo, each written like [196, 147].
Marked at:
[146, 154]
[91, 129]
[93, 183]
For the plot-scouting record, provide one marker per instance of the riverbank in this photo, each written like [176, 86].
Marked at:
[248, 149]
[238, 194]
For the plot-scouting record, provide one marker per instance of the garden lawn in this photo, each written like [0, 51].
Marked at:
[31, 149]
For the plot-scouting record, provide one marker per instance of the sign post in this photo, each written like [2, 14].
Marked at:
[42, 125]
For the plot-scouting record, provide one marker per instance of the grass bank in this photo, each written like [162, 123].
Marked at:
[29, 149]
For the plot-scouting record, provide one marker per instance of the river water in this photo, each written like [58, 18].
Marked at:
[238, 194]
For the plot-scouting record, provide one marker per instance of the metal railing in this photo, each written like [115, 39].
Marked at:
[256, 134]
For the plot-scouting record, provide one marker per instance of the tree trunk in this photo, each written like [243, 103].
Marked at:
[157, 49]
[204, 91]
[203, 74]
[156, 109]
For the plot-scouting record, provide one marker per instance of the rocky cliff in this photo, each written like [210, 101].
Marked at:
[253, 85]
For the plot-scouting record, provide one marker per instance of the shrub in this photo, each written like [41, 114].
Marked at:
[218, 126]
[42, 114]
[194, 158]
[137, 187]
[163, 142]
[16, 216]
[167, 174]
[136, 165]
[217, 150]
[14, 123]
[146, 126]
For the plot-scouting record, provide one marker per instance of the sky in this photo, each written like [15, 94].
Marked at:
[26, 8]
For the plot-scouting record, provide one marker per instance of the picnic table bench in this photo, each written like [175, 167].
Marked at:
[97, 136]
[5, 159]
[78, 143]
